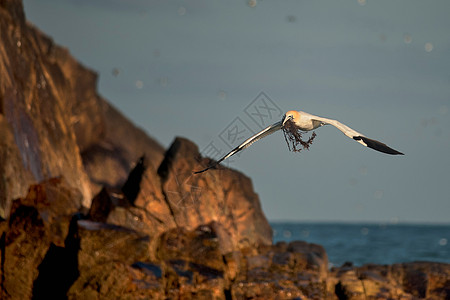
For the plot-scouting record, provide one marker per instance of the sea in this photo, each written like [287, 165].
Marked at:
[361, 243]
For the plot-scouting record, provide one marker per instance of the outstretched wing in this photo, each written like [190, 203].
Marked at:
[360, 138]
[263, 133]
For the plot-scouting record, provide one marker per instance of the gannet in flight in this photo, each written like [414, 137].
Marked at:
[295, 122]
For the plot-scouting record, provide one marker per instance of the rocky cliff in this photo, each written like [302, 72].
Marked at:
[93, 208]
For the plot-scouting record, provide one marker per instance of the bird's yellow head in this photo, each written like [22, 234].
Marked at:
[291, 115]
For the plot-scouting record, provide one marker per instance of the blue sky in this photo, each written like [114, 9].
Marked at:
[190, 68]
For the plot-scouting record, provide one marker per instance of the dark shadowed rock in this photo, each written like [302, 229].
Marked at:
[37, 222]
[59, 268]
[132, 186]
[102, 205]
[424, 279]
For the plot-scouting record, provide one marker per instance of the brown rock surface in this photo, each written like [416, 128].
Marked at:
[50, 250]
[118, 281]
[175, 197]
[154, 230]
[33, 102]
[236, 206]
[415, 280]
[37, 223]
[283, 271]
[16, 178]
[52, 120]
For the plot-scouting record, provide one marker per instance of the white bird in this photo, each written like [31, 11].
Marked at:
[294, 122]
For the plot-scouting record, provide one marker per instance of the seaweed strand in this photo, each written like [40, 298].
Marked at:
[293, 137]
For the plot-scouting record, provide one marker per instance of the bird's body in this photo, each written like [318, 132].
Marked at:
[303, 121]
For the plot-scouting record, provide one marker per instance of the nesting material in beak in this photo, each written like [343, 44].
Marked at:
[293, 137]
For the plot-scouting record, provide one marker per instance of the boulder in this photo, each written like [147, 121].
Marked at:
[282, 271]
[193, 262]
[117, 280]
[414, 280]
[221, 195]
[105, 263]
[38, 226]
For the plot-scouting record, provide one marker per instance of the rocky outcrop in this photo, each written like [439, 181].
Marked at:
[176, 198]
[35, 101]
[53, 122]
[93, 208]
[236, 206]
[416, 280]
[37, 229]
[49, 249]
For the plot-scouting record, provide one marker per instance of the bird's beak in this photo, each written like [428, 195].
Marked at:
[285, 119]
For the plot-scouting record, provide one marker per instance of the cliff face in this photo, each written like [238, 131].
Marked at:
[96, 209]
[54, 124]
[36, 102]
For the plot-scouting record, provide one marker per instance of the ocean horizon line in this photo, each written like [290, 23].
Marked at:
[361, 222]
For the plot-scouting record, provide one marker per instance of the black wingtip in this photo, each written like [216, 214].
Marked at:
[212, 166]
[376, 145]
[204, 170]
